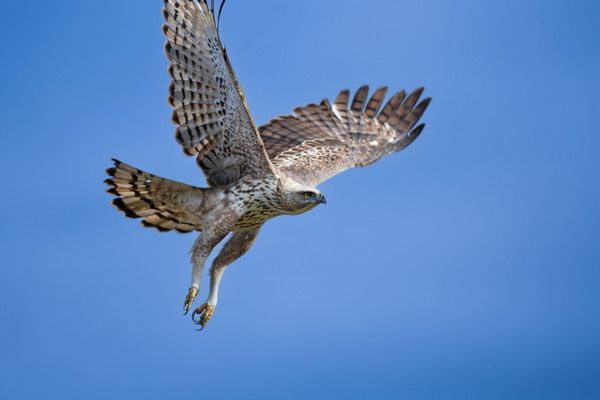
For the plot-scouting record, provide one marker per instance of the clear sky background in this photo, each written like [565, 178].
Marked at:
[465, 267]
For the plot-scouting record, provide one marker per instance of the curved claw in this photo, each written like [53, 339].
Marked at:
[189, 299]
[204, 313]
[198, 311]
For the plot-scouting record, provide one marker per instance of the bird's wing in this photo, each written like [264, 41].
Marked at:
[209, 109]
[319, 141]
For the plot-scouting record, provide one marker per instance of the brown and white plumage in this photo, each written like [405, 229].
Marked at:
[161, 203]
[321, 140]
[213, 121]
[254, 173]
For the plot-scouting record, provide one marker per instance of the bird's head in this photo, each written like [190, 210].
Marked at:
[297, 198]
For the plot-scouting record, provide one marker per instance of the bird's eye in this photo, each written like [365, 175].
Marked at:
[308, 195]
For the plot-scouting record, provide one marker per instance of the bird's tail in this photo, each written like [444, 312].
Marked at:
[162, 203]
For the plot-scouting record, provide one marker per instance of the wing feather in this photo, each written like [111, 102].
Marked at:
[375, 102]
[317, 142]
[359, 99]
[209, 108]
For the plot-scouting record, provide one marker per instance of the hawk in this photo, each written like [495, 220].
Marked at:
[253, 173]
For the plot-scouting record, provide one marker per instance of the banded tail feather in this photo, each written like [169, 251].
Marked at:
[162, 204]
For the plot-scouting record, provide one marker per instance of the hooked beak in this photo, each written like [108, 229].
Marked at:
[322, 199]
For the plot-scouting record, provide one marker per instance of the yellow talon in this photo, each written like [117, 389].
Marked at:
[205, 311]
[189, 299]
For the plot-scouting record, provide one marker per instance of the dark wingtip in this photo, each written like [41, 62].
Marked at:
[112, 170]
[121, 206]
[383, 90]
[112, 190]
[417, 131]
[342, 95]
[418, 91]
[424, 103]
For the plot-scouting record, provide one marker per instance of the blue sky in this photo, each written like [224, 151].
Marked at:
[466, 266]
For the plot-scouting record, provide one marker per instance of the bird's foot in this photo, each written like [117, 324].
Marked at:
[189, 299]
[204, 313]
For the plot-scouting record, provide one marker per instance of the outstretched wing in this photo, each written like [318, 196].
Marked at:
[212, 118]
[319, 141]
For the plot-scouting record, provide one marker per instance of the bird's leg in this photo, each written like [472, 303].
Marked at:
[201, 249]
[199, 252]
[236, 246]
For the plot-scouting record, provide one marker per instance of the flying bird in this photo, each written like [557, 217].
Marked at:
[253, 173]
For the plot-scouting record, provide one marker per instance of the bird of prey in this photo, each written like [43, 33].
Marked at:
[253, 173]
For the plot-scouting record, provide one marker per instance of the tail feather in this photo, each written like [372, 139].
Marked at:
[161, 203]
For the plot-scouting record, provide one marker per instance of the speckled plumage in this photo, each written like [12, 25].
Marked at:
[320, 141]
[254, 174]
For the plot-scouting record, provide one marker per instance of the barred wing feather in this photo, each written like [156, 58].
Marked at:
[212, 118]
[319, 141]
